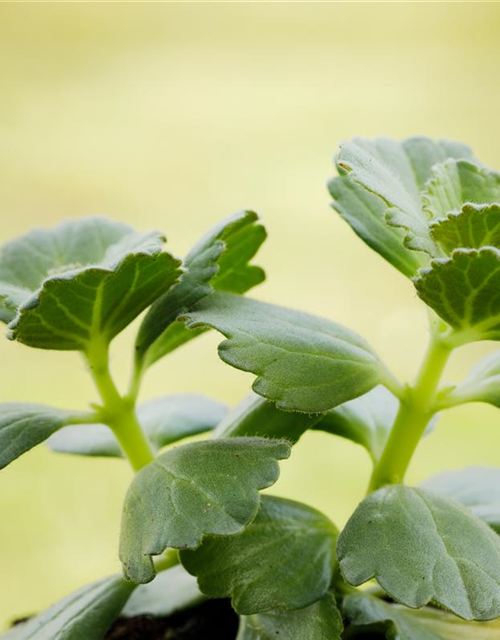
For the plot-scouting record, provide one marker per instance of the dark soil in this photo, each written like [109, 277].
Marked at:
[212, 619]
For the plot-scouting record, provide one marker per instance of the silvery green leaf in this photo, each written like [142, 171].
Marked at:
[219, 261]
[201, 488]
[481, 385]
[473, 227]
[477, 488]
[284, 559]
[164, 420]
[302, 362]
[423, 548]
[82, 279]
[319, 621]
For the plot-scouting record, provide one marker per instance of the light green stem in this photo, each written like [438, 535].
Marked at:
[416, 410]
[169, 559]
[118, 412]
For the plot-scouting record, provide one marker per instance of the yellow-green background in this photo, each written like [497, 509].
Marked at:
[174, 116]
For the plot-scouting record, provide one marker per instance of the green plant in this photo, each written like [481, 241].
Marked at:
[430, 210]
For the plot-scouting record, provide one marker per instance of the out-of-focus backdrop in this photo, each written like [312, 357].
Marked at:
[173, 116]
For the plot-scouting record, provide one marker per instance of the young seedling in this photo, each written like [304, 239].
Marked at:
[432, 552]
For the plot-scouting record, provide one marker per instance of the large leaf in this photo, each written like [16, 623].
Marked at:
[365, 213]
[367, 613]
[23, 426]
[366, 420]
[81, 279]
[397, 172]
[455, 183]
[477, 488]
[86, 614]
[481, 385]
[255, 416]
[283, 560]
[473, 227]
[220, 260]
[319, 621]
[164, 420]
[464, 290]
[171, 591]
[303, 363]
[201, 488]
[421, 547]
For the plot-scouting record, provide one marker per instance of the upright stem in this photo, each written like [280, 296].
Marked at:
[119, 412]
[416, 410]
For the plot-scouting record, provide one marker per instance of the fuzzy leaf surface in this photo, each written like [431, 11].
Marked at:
[283, 560]
[23, 426]
[473, 227]
[86, 614]
[400, 623]
[464, 290]
[477, 488]
[365, 213]
[84, 278]
[164, 420]
[220, 260]
[397, 172]
[197, 489]
[302, 362]
[481, 385]
[421, 547]
[319, 621]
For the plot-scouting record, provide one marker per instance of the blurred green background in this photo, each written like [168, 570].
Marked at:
[173, 116]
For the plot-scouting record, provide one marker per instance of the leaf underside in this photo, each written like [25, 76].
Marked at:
[215, 482]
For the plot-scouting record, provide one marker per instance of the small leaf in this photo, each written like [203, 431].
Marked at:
[455, 183]
[421, 548]
[23, 426]
[397, 172]
[220, 260]
[366, 420]
[366, 613]
[464, 290]
[283, 560]
[477, 488]
[303, 363]
[475, 226]
[201, 488]
[365, 213]
[255, 416]
[83, 278]
[319, 621]
[86, 614]
[481, 385]
[171, 591]
[165, 420]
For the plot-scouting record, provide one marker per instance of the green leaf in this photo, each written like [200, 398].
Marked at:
[481, 385]
[201, 488]
[283, 560]
[365, 213]
[165, 420]
[477, 488]
[220, 260]
[464, 290]
[421, 547]
[86, 614]
[23, 426]
[397, 172]
[400, 623]
[455, 183]
[82, 279]
[255, 416]
[366, 420]
[171, 591]
[319, 621]
[303, 363]
[473, 227]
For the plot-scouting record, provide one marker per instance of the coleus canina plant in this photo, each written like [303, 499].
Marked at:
[429, 556]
